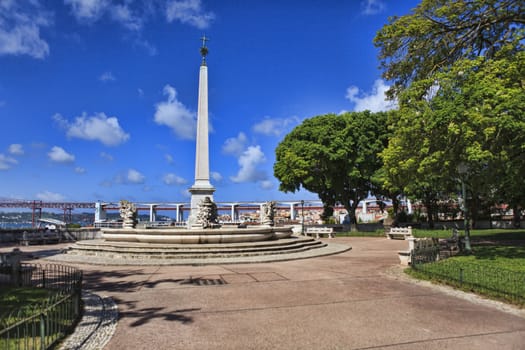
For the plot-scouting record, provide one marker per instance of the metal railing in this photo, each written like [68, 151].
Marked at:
[41, 326]
[425, 255]
[502, 283]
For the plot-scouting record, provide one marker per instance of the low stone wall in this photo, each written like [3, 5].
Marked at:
[14, 236]
[10, 236]
[86, 234]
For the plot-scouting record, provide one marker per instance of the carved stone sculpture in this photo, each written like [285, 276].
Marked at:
[128, 213]
[268, 213]
[207, 215]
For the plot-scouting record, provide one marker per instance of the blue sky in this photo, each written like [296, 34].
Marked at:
[98, 98]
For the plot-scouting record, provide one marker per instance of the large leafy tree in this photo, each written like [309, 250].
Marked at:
[473, 115]
[457, 71]
[335, 156]
[439, 32]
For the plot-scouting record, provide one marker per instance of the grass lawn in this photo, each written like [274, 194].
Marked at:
[377, 233]
[503, 248]
[476, 235]
[507, 257]
[21, 329]
[496, 271]
[12, 298]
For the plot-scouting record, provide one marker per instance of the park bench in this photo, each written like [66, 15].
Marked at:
[415, 244]
[320, 231]
[399, 232]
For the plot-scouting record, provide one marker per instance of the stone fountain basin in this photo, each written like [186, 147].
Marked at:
[196, 236]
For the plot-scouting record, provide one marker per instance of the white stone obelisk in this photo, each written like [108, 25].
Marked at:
[202, 187]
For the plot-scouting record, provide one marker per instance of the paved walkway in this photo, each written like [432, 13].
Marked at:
[354, 300]
[97, 325]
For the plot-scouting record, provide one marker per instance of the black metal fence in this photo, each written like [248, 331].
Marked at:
[488, 280]
[425, 255]
[42, 325]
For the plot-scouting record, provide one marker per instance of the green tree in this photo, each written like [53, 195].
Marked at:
[473, 115]
[457, 72]
[439, 32]
[334, 156]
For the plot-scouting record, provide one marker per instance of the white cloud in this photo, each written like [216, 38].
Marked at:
[189, 12]
[266, 185]
[274, 126]
[2, 103]
[146, 45]
[16, 149]
[172, 179]
[372, 7]
[135, 177]
[175, 115]
[375, 101]
[235, 145]
[80, 170]
[107, 76]
[50, 196]
[140, 92]
[216, 176]
[249, 162]
[121, 13]
[133, 16]
[168, 158]
[88, 10]
[6, 162]
[59, 155]
[106, 156]
[98, 127]
[20, 24]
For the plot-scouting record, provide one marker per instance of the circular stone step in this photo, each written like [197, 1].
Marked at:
[136, 253]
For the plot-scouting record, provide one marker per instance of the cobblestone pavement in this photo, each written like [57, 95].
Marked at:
[97, 326]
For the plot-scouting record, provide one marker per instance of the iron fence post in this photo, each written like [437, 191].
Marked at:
[42, 331]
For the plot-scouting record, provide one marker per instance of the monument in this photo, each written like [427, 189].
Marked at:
[202, 188]
[128, 214]
[203, 241]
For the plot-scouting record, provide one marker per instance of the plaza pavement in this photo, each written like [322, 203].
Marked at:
[355, 300]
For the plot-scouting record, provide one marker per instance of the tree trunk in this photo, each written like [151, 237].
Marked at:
[351, 208]
[516, 216]
[430, 212]
[395, 205]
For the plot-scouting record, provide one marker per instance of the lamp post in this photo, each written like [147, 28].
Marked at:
[302, 217]
[462, 170]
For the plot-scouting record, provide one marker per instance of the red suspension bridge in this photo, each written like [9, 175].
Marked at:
[37, 206]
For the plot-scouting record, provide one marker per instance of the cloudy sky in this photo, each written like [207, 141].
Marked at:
[98, 98]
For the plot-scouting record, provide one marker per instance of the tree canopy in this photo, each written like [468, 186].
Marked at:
[458, 73]
[474, 115]
[439, 32]
[335, 156]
